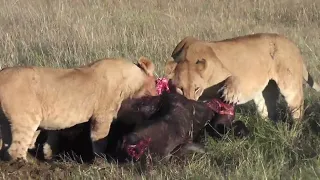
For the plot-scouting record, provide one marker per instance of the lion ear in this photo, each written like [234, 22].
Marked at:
[185, 42]
[146, 65]
[169, 68]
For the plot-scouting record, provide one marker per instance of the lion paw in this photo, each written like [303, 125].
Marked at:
[47, 151]
[230, 91]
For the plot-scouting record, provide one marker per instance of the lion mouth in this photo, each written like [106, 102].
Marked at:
[162, 85]
[217, 105]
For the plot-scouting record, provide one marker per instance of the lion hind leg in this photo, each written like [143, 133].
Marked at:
[294, 98]
[296, 104]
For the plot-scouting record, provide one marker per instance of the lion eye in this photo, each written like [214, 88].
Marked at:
[197, 89]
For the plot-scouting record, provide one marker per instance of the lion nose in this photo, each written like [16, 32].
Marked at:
[191, 95]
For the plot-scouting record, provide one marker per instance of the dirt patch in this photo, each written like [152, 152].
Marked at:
[36, 170]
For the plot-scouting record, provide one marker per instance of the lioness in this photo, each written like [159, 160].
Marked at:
[245, 65]
[46, 98]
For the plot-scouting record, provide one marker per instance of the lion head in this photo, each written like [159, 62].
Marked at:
[149, 84]
[196, 69]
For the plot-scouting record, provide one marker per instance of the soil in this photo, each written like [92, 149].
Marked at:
[35, 170]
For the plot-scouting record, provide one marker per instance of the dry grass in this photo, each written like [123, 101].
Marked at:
[67, 33]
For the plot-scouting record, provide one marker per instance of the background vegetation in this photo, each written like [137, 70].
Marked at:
[67, 33]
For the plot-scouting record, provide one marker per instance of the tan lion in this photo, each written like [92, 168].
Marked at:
[46, 98]
[244, 65]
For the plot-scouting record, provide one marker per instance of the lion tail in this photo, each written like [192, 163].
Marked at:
[308, 78]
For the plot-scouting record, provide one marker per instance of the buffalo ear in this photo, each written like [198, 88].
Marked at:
[169, 68]
[146, 65]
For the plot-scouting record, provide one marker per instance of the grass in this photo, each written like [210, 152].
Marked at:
[64, 33]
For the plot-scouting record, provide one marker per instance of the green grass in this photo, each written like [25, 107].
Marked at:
[66, 33]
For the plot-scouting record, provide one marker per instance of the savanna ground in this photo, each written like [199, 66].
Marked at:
[66, 33]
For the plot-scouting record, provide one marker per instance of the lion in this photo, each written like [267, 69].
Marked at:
[34, 98]
[239, 70]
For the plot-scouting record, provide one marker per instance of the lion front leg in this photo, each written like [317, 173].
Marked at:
[50, 147]
[22, 137]
[237, 91]
[231, 92]
[100, 127]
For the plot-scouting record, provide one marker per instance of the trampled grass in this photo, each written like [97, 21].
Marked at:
[64, 33]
